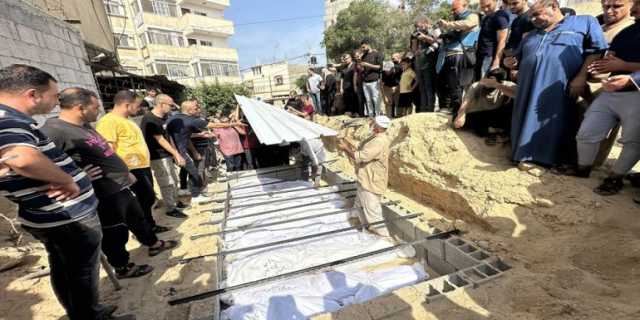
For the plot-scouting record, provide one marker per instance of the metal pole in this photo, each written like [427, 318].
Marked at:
[255, 204]
[266, 184]
[318, 268]
[236, 176]
[271, 211]
[255, 195]
[110, 274]
[310, 236]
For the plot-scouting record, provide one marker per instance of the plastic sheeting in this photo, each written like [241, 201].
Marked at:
[306, 295]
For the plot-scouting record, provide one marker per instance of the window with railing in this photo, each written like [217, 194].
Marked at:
[114, 7]
[279, 80]
[219, 68]
[166, 38]
[173, 69]
[206, 43]
[123, 40]
[166, 8]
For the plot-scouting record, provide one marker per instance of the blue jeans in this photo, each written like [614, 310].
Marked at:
[234, 162]
[317, 103]
[372, 97]
[196, 183]
[74, 250]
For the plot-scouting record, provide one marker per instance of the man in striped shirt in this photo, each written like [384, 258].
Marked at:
[56, 202]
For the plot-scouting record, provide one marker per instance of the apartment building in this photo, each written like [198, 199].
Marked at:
[273, 81]
[185, 40]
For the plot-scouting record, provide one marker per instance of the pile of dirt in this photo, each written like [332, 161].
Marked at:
[576, 254]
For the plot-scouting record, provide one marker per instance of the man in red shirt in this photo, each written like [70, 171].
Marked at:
[230, 145]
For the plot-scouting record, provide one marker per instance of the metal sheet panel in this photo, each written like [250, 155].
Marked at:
[273, 125]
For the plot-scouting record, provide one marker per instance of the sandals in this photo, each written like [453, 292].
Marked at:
[133, 270]
[610, 186]
[165, 245]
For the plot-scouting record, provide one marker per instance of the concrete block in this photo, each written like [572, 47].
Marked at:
[456, 257]
[8, 29]
[86, 79]
[79, 52]
[27, 51]
[27, 34]
[487, 270]
[474, 276]
[51, 69]
[66, 75]
[8, 47]
[52, 57]
[70, 62]
[53, 43]
[74, 37]
[439, 265]
[57, 31]
[6, 61]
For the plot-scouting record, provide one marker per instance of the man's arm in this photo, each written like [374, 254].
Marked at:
[578, 85]
[635, 78]
[169, 148]
[502, 42]
[193, 150]
[463, 25]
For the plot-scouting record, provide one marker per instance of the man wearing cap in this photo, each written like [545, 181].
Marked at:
[371, 160]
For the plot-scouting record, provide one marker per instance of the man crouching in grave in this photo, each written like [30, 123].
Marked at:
[371, 161]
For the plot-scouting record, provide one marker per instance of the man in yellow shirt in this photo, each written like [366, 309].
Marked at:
[371, 160]
[126, 138]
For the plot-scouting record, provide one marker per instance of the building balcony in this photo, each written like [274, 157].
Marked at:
[165, 22]
[187, 54]
[216, 4]
[194, 25]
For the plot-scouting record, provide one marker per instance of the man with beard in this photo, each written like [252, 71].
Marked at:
[545, 117]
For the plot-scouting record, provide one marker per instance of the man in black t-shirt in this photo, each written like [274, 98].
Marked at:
[390, 80]
[118, 208]
[494, 29]
[162, 154]
[346, 86]
[520, 25]
[372, 61]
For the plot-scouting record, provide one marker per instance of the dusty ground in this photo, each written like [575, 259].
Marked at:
[575, 255]
[146, 297]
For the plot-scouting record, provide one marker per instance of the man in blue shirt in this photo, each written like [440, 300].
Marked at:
[56, 202]
[492, 39]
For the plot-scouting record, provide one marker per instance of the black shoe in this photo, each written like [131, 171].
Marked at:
[107, 311]
[573, 171]
[610, 186]
[160, 229]
[121, 317]
[182, 205]
[133, 270]
[176, 214]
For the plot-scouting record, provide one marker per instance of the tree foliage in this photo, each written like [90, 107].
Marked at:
[301, 83]
[217, 97]
[389, 28]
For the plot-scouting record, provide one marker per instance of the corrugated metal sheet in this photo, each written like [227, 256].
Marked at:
[273, 125]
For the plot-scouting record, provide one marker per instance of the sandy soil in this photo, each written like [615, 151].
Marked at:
[575, 255]
[146, 297]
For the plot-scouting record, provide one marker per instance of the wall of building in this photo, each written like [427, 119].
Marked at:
[30, 36]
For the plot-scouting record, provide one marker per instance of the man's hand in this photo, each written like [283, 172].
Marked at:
[495, 65]
[459, 121]
[180, 161]
[93, 172]
[578, 86]
[4, 169]
[197, 156]
[63, 192]
[616, 83]
[132, 178]
[608, 64]
[489, 83]
[511, 62]
[343, 145]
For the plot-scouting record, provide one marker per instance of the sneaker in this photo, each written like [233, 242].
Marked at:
[176, 214]
[184, 192]
[201, 198]
[182, 205]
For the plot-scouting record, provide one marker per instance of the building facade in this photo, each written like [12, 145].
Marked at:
[185, 40]
[273, 81]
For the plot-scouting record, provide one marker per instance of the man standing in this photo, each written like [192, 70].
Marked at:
[390, 81]
[545, 117]
[425, 44]
[618, 104]
[162, 154]
[118, 208]
[371, 160]
[492, 39]
[453, 71]
[149, 100]
[228, 137]
[126, 138]
[328, 89]
[347, 87]
[520, 25]
[313, 87]
[56, 202]
[372, 64]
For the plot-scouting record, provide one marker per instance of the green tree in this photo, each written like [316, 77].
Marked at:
[389, 28]
[301, 83]
[217, 97]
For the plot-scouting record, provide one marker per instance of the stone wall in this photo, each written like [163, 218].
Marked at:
[30, 36]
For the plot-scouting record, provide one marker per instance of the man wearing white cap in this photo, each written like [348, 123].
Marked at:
[371, 160]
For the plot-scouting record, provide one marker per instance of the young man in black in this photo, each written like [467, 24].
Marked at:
[118, 208]
[347, 87]
[372, 63]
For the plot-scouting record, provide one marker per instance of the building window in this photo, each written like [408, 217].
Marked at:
[166, 8]
[185, 11]
[143, 39]
[124, 40]
[279, 80]
[173, 69]
[200, 13]
[206, 43]
[114, 7]
[219, 68]
[165, 38]
[256, 71]
[192, 42]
